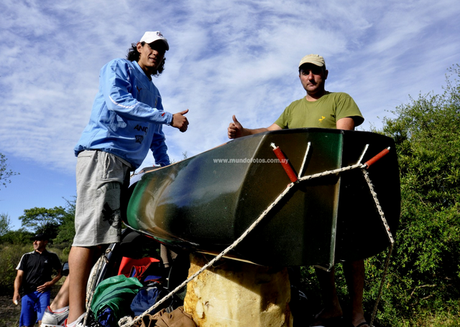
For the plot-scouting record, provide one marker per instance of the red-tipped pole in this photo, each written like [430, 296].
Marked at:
[284, 162]
[377, 157]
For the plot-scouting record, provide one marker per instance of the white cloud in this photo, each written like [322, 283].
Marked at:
[226, 58]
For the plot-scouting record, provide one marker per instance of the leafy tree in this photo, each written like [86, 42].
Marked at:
[66, 230]
[4, 224]
[425, 271]
[5, 173]
[42, 220]
[17, 237]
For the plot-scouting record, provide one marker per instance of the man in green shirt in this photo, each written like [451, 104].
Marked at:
[320, 108]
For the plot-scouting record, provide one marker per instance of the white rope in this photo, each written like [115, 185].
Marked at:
[377, 204]
[128, 321]
[91, 286]
[390, 238]
[331, 172]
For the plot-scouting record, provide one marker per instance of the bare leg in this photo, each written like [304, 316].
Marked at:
[80, 263]
[354, 274]
[61, 299]
[332, 306]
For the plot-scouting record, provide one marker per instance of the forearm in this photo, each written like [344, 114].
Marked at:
[118, 93]
[236, 130]
[131, 108]
[249, 131]
[56, 278]
[16, 289]
[17, 286]
[44, 287]
[160, 151]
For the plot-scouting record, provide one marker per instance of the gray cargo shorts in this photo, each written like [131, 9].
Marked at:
[102, 179]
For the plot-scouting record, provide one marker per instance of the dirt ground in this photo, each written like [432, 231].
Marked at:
[9, 313]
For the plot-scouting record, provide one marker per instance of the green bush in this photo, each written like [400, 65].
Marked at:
[10, 255]
[425, 272]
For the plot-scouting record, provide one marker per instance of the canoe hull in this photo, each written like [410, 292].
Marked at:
[206, 202]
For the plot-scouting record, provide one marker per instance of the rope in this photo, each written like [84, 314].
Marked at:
[128, 321]
[379, 207]
[364, 167]
[91, 286]
[331, 172]
[390, 238]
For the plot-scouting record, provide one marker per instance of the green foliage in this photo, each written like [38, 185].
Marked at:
[9, 259]
[42, 220]
[4, 224]
[66, 230]
[57, 223]
[19, 237]
[5, 173]
[424, 275]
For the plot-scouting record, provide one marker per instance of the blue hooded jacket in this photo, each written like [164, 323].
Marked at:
[127, 116]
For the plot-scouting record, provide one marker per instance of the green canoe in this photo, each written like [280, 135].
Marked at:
[204, 203]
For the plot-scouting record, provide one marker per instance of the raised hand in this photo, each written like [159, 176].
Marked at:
[180, 121]
[235, 129]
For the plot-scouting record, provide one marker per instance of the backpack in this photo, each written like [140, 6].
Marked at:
[112, 297]
[151, 294]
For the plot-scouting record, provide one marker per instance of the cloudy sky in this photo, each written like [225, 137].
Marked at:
[226, 57]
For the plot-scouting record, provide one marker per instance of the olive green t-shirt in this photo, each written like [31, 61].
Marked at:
[323, 113]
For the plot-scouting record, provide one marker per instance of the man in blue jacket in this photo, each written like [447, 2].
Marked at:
[126, 121]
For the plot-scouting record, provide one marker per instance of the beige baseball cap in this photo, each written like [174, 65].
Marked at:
[150, 37]
[313, 59]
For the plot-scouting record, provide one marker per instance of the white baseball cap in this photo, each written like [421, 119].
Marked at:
[150, 37]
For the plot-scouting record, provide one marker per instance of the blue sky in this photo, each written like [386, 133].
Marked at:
[225, 58]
